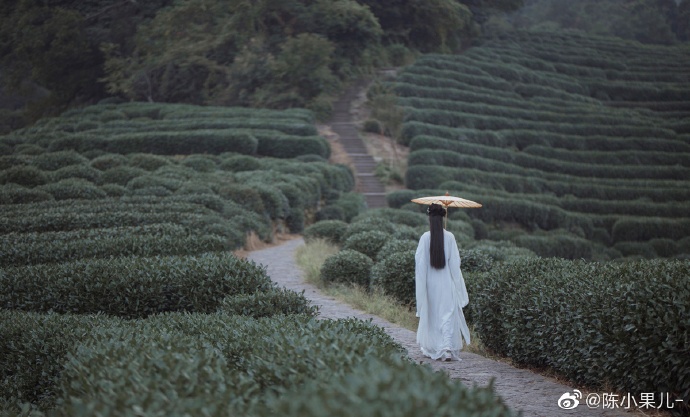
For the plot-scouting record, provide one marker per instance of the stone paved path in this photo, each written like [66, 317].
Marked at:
[521, 389]
[342, 123]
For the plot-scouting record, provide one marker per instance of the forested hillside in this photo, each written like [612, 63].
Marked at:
[63, 53]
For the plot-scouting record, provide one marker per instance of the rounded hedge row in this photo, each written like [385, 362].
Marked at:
[331, 230]
[597, 316]
[151, 240]
[347, 267]
[395, 274]
[368, 243]
[130, 287]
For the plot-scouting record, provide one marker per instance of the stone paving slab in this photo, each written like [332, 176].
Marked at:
[535, 395]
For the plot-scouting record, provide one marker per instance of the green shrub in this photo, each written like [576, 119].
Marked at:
[347, 267]
[475, 261]
[152, 190]
[114, 190]
[295, 220]
[395, 216]
[395, 274]
[151, 240]
[237, 163]
[291, 147]
[247, 222]
[147, 161]
[153, 180]
[368, 243]
[9, 161]
[270, 303]
[68, 215]
[406, 233]
[28, 149]
[82, 171]
[121, 175]
[352, 204]
[556, 245]
[200, 163]
[181, 143]
[16, 194]
[372, 126]
[55, 160]
[330, 213]
[596, 315]
[130, 287]
[193, 187]
[210, 201]
[501, 251]
[642, 229]
[331, 230]
[188, 359]
[396, 245]
[110, 160]
[369, 224]
[376, 388]
[636, 249]
[243, 195]
[72, 188]
[28, 176]
[665, 247]
[311, 158]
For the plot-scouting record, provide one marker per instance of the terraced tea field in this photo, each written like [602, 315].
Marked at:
[570, 141]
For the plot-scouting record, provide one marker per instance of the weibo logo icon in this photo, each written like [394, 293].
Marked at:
[569, 401]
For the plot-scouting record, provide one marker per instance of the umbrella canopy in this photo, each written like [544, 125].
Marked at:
[447, 201]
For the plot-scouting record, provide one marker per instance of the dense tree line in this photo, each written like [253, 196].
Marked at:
[647, 21]
[260, 53]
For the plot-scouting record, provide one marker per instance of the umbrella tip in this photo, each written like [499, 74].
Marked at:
[447, 193]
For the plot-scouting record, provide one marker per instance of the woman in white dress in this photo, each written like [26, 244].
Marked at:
[441, 292]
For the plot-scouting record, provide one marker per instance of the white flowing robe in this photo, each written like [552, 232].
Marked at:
[441, 295]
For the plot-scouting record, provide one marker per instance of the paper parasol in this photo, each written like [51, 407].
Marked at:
[447, 201]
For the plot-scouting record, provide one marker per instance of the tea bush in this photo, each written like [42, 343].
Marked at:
[291, 147]
[9, 161]
[269, 303]
[472, 260]
[200, 163]
[399, 217]
[28, 176]
[396, 245]
[152, 180]
[121, 175]
[347, 267]
[369, 224]
[81, 171]
[215, 360]
[237, 163]
[151, 240]
[332, 230]
[554, 137]
[147, 161]
[72, 188]
[596, 315]
[130, 287]
[16, 194]
[330, 213]
[55, 160]
[397, 389]
[351, 203]
[396, 275]
[369, 243]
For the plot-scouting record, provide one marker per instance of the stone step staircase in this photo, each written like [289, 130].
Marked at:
[342, 123]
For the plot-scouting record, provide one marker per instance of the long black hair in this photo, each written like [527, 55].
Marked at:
[437, 254]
